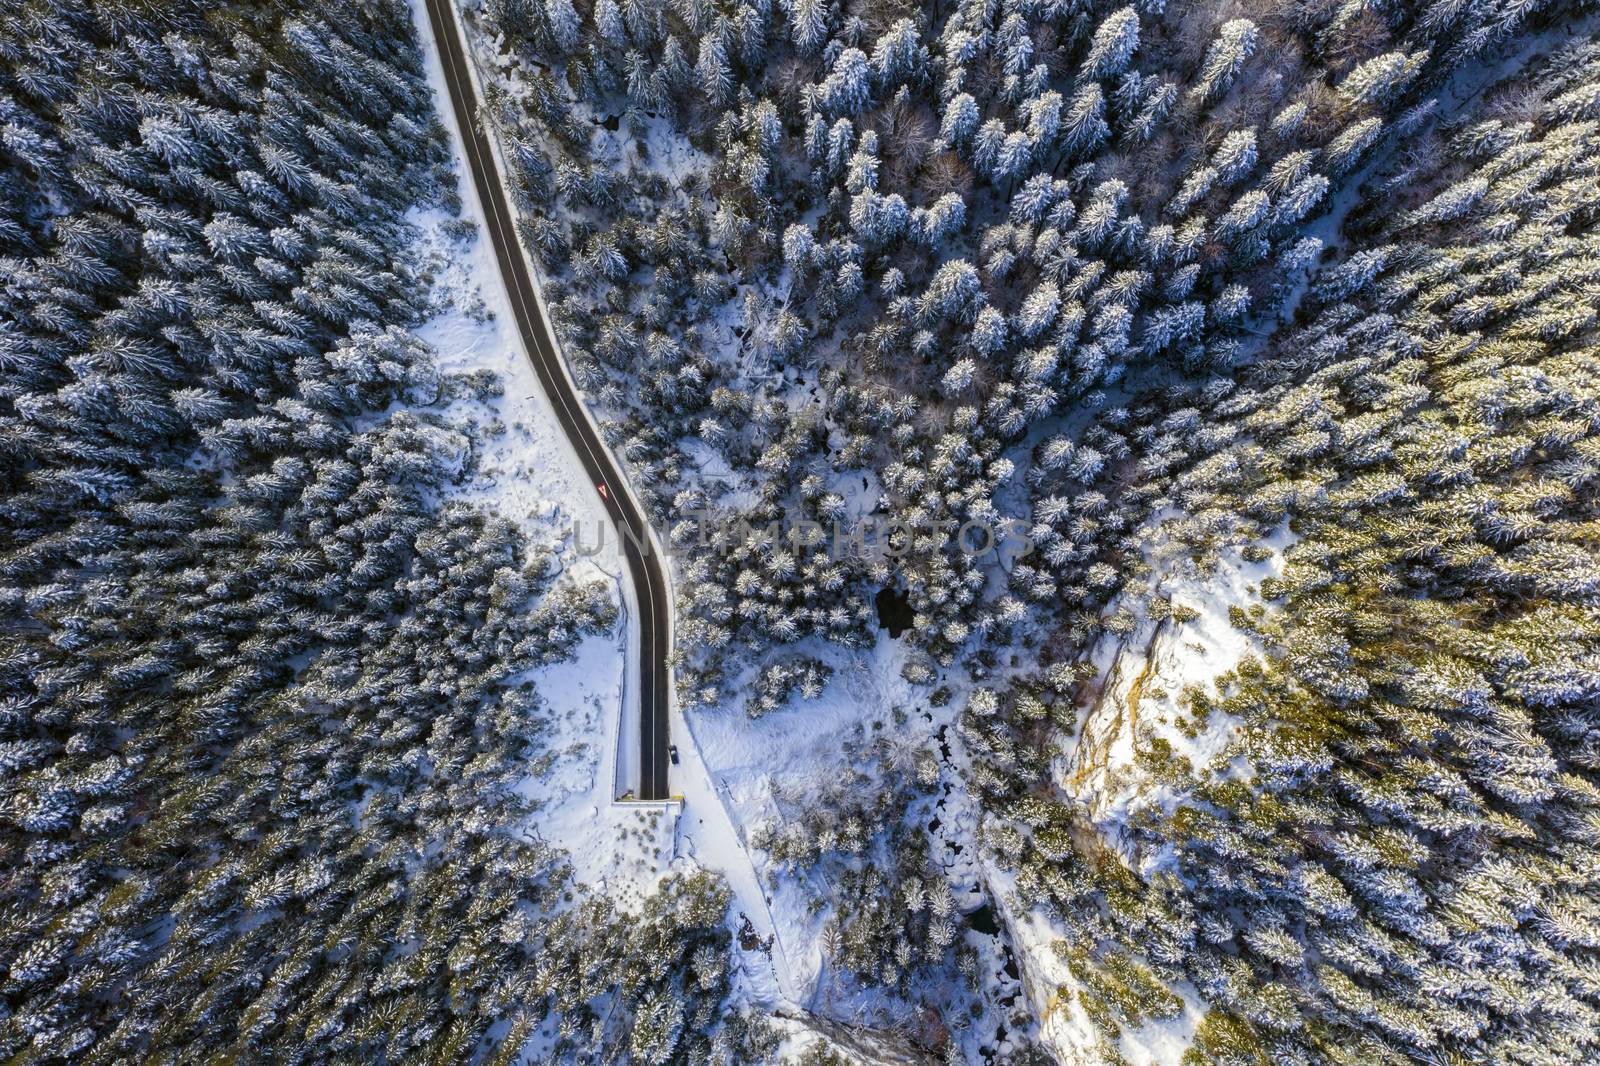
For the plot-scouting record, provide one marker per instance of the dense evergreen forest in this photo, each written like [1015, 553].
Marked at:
[1162, 275]
[258, 725]
[1167, 283]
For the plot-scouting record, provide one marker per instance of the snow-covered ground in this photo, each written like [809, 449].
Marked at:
[797, 751]
[767, 771]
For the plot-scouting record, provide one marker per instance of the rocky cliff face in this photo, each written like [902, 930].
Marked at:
[1143, 681]
[1137, 702]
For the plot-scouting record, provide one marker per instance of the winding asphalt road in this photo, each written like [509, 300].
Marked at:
[538, 341]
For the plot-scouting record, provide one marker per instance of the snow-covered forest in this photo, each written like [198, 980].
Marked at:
[1274, 327]
[266, 688]
[1169, 282]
